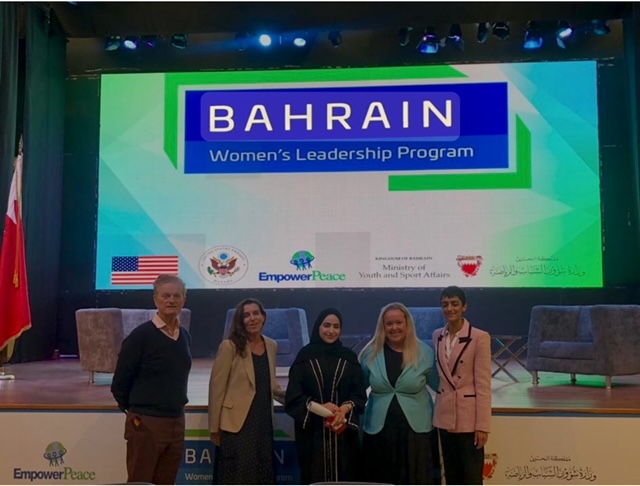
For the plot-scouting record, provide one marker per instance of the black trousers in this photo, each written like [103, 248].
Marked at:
[463, 462]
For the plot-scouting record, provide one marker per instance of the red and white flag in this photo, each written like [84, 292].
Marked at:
[15, 313]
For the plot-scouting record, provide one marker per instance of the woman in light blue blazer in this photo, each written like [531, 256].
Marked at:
[397, 440]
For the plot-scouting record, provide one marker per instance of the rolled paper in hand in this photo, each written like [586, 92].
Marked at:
[315, 407]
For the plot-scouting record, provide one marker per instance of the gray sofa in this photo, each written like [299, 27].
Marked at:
[101, 332]
[589, 340]
[288, 327]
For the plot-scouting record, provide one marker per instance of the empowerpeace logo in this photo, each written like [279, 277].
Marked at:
[55, 454]
[302, 260]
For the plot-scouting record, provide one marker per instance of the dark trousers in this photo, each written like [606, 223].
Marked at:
[155, 446]
[463, 462]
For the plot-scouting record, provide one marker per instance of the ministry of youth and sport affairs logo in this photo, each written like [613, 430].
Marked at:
[469, 264]
[223, 265]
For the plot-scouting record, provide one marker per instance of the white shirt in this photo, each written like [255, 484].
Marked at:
[449, 343]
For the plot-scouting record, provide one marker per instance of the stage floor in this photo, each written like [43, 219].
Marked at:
[61, 384]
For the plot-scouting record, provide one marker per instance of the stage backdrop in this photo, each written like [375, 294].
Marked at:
[89, 448]
[353, 178]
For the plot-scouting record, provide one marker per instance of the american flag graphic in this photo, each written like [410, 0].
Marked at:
[137, 270]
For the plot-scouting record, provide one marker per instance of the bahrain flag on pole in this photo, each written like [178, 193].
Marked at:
[15, 314]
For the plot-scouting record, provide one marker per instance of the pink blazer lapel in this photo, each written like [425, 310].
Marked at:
[442, 358]
[464, 339]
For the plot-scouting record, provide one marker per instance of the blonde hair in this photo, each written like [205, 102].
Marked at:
[411, 345]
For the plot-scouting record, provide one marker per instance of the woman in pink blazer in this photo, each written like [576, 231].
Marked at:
[463, 403]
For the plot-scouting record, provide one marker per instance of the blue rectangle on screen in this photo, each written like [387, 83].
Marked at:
[391, 128]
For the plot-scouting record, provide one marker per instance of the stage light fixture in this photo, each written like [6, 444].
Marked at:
[600, 27]
[455, 37]
[299, 41]
[335, 38]
[265, 40]
[112, 43]
[429, 43]
[532, 37]
[131, 42]
[564, 30]
[404, 36]
[179, 41]
[564, 33]
[483, 32]
[149, 40]
[501, 30]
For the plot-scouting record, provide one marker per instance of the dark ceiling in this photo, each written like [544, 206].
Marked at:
[99, 19]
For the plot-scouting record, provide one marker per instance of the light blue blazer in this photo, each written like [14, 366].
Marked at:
[411, 390]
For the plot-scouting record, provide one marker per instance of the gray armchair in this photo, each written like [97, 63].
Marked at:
[589, 340]
[427, 320]
[288, 327]
[101, 332]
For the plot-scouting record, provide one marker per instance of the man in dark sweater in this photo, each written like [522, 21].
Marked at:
[150, 386]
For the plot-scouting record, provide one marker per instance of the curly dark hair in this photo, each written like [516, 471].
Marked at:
[238, 333]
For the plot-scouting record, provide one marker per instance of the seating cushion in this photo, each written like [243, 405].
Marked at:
[284, 346]
[567, 350]
[132, 318]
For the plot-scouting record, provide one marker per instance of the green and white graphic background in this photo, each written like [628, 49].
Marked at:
[536, 224]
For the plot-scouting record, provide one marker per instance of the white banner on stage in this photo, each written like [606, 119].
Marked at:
[84, 447]
[585, 449]
[78, 447]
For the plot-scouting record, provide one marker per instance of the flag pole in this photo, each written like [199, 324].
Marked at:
[7, 351]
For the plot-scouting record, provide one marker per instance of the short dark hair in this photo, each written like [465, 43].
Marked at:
[453, 291]
[164, 278]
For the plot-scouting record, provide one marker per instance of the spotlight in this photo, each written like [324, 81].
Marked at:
[501, 30]
[564, 33]
[455, 37]
[265, 40]
[404, 36]
[179, 41]
[483, 32]
[149, 40]
[112, 43]
[429, 43]
[532, 37]
[299, 41]
[564, 30]
[242, 41]
[335, 38]
[600, 27]
[131, 42]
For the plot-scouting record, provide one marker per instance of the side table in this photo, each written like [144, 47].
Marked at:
[513, 346]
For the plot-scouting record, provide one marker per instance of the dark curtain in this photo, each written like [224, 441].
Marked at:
[632, 57]
[8, 97]
[42, 178]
